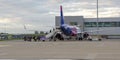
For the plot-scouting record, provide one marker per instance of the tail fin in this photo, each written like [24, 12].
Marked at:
[61, 15]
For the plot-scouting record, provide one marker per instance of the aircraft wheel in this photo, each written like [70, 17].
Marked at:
[54, 40]
[90, 39]
[50, 39]
[100, 39]
[43, 40]
[80, 39]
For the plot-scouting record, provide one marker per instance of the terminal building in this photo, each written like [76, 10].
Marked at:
[108, 26]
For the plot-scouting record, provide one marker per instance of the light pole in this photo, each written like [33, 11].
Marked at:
[5, 28]
[97, 23]
[98, 37]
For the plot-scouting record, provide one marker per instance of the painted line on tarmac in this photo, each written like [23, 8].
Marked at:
[58, 59]
[4, 45]
[2, 54]
[7, 59]
[37, 59]
[101, 45]
[43, 59]
[91, 56]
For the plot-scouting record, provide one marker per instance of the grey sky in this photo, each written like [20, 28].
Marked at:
[14, 14]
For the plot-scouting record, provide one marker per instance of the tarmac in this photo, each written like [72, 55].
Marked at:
[107, 49]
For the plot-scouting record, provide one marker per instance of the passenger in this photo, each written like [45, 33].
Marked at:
[59, 36]
[85, 35]
[38, 38]
[43, 38]
[46, 33]
[29, 38]
[53, 29]
[79, 36]
[25, 38]
[51, 38]
[35, 38]
[50, 31]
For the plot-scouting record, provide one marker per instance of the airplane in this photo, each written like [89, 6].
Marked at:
[66, 29]
[70, 30]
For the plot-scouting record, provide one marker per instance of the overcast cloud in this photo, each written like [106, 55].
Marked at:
[14, 14]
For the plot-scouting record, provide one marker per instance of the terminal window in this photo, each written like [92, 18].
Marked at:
[73, 23]
[102, 24]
